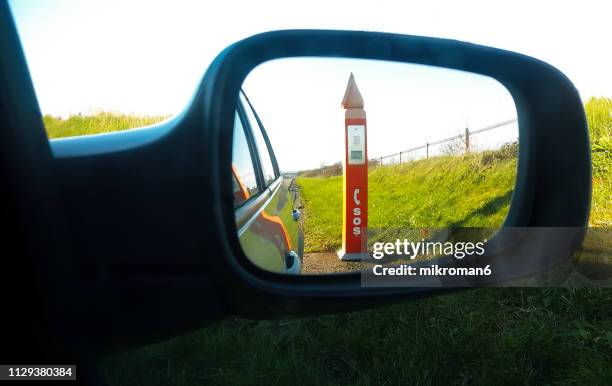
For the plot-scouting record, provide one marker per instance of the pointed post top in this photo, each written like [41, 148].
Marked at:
[352, 97]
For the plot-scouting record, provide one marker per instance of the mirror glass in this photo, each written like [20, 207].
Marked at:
[338, 162]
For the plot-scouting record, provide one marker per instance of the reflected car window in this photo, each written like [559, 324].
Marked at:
[262, 147]
[243, 173]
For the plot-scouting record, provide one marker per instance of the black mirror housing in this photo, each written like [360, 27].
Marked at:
[553, 185]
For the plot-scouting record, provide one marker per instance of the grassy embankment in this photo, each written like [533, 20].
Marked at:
[472, 190]
[485, 336]
[102, 122]
[599, 117]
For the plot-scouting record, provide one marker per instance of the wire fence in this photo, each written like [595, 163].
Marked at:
[458, 144]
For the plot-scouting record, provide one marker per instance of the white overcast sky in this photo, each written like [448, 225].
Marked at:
[147, 57]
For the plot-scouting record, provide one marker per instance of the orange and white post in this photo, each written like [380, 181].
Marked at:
[355, 177]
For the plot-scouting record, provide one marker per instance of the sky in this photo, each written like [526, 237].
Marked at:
[407, 105]
[147, 57]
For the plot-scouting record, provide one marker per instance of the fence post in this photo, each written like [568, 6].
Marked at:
[466, 141]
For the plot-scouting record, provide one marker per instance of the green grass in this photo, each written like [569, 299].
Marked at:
[599, 118]
[101, 122]
[601, 204]
[483, 336]
[504, 336]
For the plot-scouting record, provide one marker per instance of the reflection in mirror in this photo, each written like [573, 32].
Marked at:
[337, 161]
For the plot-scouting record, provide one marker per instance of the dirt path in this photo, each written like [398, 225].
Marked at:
[328, 262]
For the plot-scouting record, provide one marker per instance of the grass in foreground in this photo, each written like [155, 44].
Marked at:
[501, 336]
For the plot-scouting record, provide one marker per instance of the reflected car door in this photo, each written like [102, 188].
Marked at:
[268, 228]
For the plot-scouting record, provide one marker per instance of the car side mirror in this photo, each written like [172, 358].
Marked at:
[551, 199]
